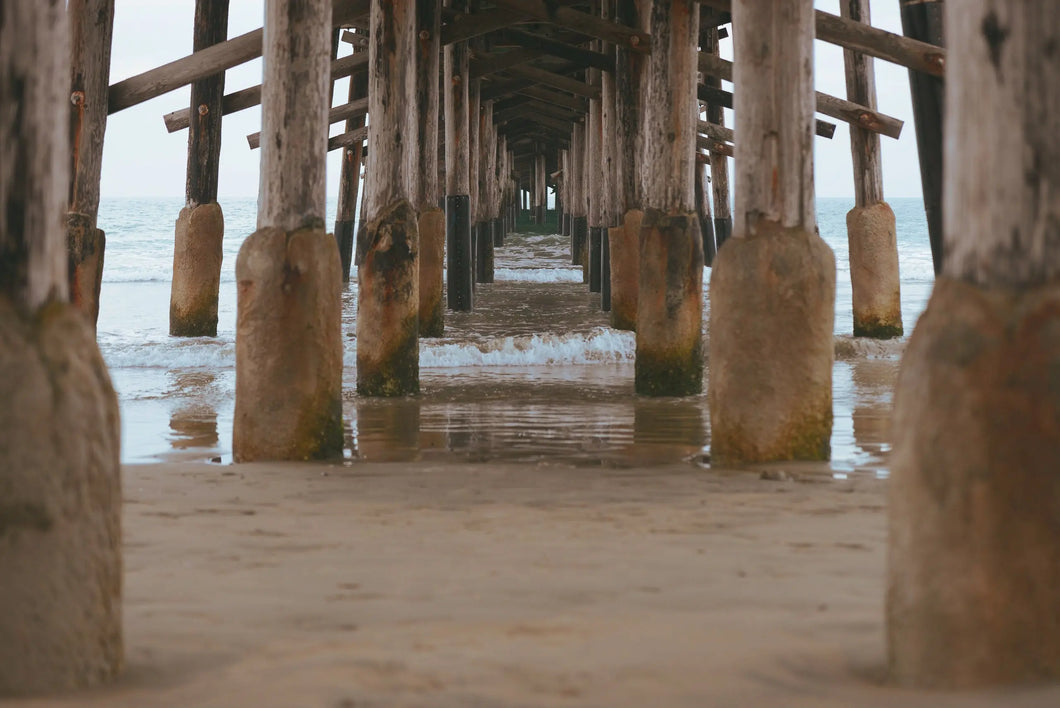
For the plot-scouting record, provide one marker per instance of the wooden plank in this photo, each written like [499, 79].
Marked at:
[581, 22]
[250, 97]
[485, 63]
[198, 65]
[904, 51]
[574, 103]
[462, 27]
[861, 89]
[831, 106]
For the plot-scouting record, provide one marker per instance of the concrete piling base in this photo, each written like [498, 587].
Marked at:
[772, 313]
[288, 347]
[197, 254]
[432, 262]
[669, 359]
[625, 271]
[86, 246]
[60, 505]
[973, 593]
[874, 272]
[388, 351]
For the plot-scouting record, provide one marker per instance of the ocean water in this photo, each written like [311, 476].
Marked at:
[533, 374]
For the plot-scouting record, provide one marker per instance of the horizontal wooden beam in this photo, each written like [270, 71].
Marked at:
[579, 55]
[534, 106]
[485, 63]
[581, 22]
[875, 42]
[831, 106]
[714, 147]
[250, 97]
[461, 27]
[575, 103]
[548, 78]
[335, 115]
[206, 62]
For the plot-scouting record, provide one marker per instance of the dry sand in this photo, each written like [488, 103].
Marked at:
[481, 585]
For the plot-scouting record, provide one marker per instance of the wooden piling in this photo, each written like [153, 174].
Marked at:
[669, 359]
[594, 183]
[457, 180]
[388, 276]
[923, 20]
[350, 177]
[540, 189]
[198, 243]
[486, 148]
[288, 327]
[431, 217]
[706, 220]
[771, 354]
[871, 234]
[91, 28]
[60, 505]
[973, 586]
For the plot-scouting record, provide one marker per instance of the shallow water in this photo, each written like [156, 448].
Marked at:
[533, 374]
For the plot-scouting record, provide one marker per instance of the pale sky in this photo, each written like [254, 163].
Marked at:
[141, 159]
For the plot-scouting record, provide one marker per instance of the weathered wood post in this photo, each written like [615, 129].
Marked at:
[457, 179]
[198, 242]
[288, 325]
[772, 288]
[540, 188]
[579, 213]
[91, 27]
[388, 277]
[474, 107]
[706, 221]
[625, 241]
[922, 20]
[431, 217]
[973, 593]
[484, 242]
[669, 359]
[60, 514]
[350, 178]
[500, 228]
[871, 234]
[719, 164]
[564, 166]
[594, 183]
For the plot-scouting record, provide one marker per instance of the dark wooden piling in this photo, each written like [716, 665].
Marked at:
[596, 194]
[540, 201]
[350, 176]
[771, 354]
[60, 478]
[706, 220]
[388, 299]
[923, 20]
[486, 171]
[459, 273]
[669, 359]
[289, 323]
[871, 234]
[431, 217]
[91, 27]
[973, 586]
[197, 248]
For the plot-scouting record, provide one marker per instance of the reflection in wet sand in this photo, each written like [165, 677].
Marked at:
[193, 420]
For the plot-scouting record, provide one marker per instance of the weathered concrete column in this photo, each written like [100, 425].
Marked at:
[670, 299]
[457, 180]
[624, 240]
[388, 277]
[288, 325]
[719, 164]
[60, 485]
[973, 593]
[431, 217]
[91, 27]
[871, 234]
[350, 178]
[772, 288]
[197, 248]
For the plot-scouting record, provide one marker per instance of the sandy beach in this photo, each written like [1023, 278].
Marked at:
[448, 584]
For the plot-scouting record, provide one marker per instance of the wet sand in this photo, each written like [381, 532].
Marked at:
[455, 584]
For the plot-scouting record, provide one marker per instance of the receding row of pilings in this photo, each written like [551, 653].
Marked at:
[974, 561]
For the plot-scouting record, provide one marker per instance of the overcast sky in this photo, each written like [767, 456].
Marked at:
[141, 159]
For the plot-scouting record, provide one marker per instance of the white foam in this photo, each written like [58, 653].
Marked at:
[598, 346]
[170, 354]
[539, 275]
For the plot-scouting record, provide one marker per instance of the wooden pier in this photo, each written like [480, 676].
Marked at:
[463, 114]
